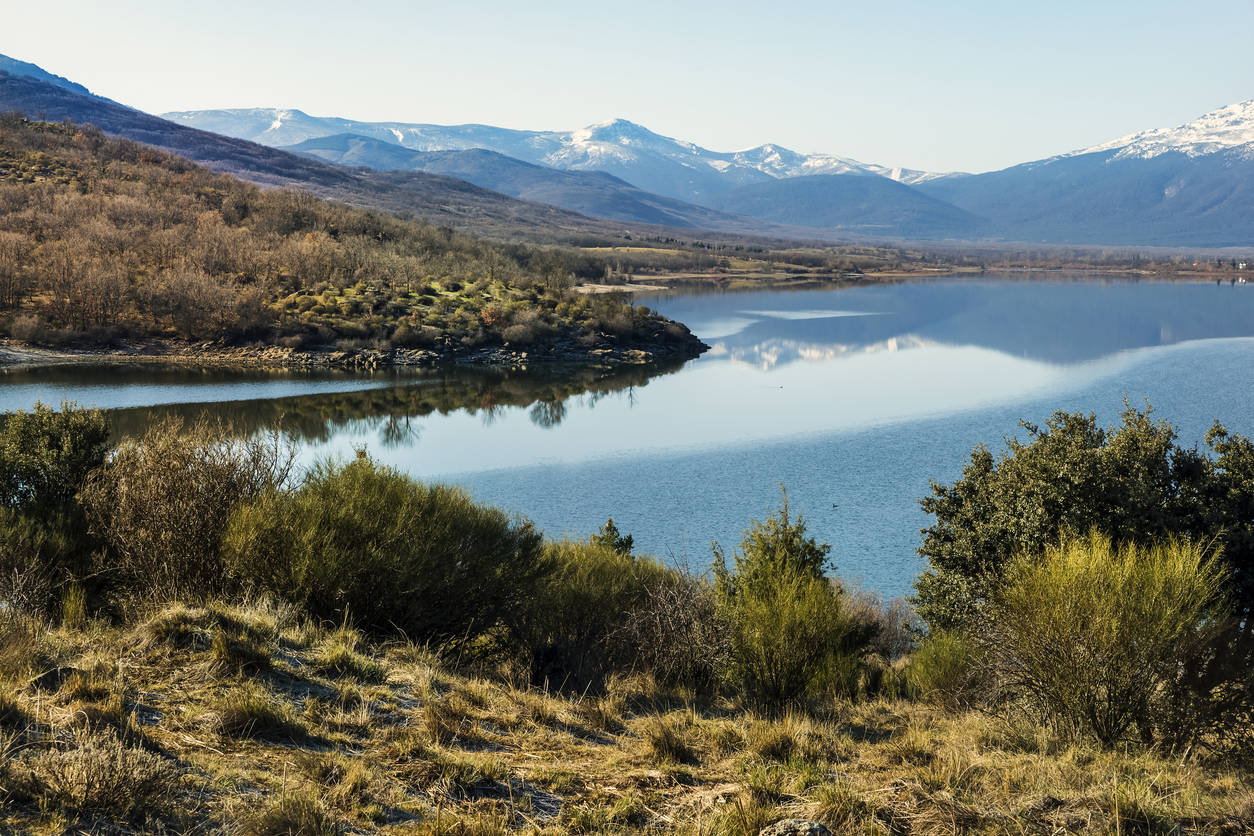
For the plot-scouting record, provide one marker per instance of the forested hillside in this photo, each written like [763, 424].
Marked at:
[103, 239]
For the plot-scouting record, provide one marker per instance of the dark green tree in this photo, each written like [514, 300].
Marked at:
[608, 537]
[45, 457]
[1131, 482]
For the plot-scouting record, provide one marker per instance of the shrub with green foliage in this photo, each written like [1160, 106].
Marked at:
[609, 537]
[790, 635]
[600, 611]
[45, 457]
[944, 668]
[1094, 636]
[575, 631]
[1131, 482]
[46, 454]
[363, 543]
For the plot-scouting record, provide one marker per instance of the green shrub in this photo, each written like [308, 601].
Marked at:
[1131, 482]
[789, 633]
[944, 669]
[365, 543]
[1092, 636]
[162, 503]
[45, 457]
[576, 630]
[46, 454]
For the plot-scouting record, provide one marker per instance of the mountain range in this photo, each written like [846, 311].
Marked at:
[1189, 186]
[432, 197]
[1192, 185]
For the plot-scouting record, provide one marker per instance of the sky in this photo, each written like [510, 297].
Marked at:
[964, 85]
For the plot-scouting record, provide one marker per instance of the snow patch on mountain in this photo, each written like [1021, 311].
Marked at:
[1219, 130]
[620, 146]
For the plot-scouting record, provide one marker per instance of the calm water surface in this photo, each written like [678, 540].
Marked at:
[852, 398]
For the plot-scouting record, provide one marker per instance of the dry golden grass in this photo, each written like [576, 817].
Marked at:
[147, 727]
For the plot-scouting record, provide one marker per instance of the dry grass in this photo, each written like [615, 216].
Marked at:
[152, 718]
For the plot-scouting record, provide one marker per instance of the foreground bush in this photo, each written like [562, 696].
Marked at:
[365, 543]
[45, 458]
[601, 610]
[790, 635]
[162, 503]
[1093, 637]
[945, 669]
[576, 630]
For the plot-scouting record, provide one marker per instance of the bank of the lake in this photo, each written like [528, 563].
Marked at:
[668, 341]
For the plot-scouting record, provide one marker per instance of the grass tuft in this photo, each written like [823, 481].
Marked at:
[338, 656]
[291, 815]
[251, 712]
[666, 740]
[97, 774]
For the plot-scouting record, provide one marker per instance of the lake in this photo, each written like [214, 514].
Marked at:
[852, 398]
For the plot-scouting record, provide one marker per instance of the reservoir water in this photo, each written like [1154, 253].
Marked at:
[853, 398]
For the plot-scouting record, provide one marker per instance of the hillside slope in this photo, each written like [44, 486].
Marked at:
[1192, 185]
[107, 239]
[253, 720]
[856, 203]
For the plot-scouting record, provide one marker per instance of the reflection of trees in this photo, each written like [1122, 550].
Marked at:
[548, 413]
[389, 411]
[400, 432]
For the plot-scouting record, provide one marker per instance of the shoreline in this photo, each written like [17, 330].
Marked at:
[605, 354]
[784, 281]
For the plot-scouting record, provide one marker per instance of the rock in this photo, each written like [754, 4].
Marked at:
[795, 827]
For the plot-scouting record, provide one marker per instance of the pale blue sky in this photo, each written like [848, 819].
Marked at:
[969, 85]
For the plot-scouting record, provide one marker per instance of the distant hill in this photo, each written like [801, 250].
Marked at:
[108, 239]
[592, 193]
[856, 203]
[1189, 186]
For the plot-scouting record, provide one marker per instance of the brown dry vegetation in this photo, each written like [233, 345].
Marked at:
[162, 725]
[103, 239]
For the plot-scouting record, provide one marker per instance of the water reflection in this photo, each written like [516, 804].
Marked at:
[389, 410]
[1055, 321]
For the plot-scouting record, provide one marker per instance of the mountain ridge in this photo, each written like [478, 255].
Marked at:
[593, 193]
[681, 169]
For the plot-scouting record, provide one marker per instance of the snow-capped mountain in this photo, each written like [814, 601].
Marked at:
[1226, 128]
[1192, 185]
[649, 160]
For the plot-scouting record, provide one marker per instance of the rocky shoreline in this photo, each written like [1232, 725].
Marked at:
[607, 351]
